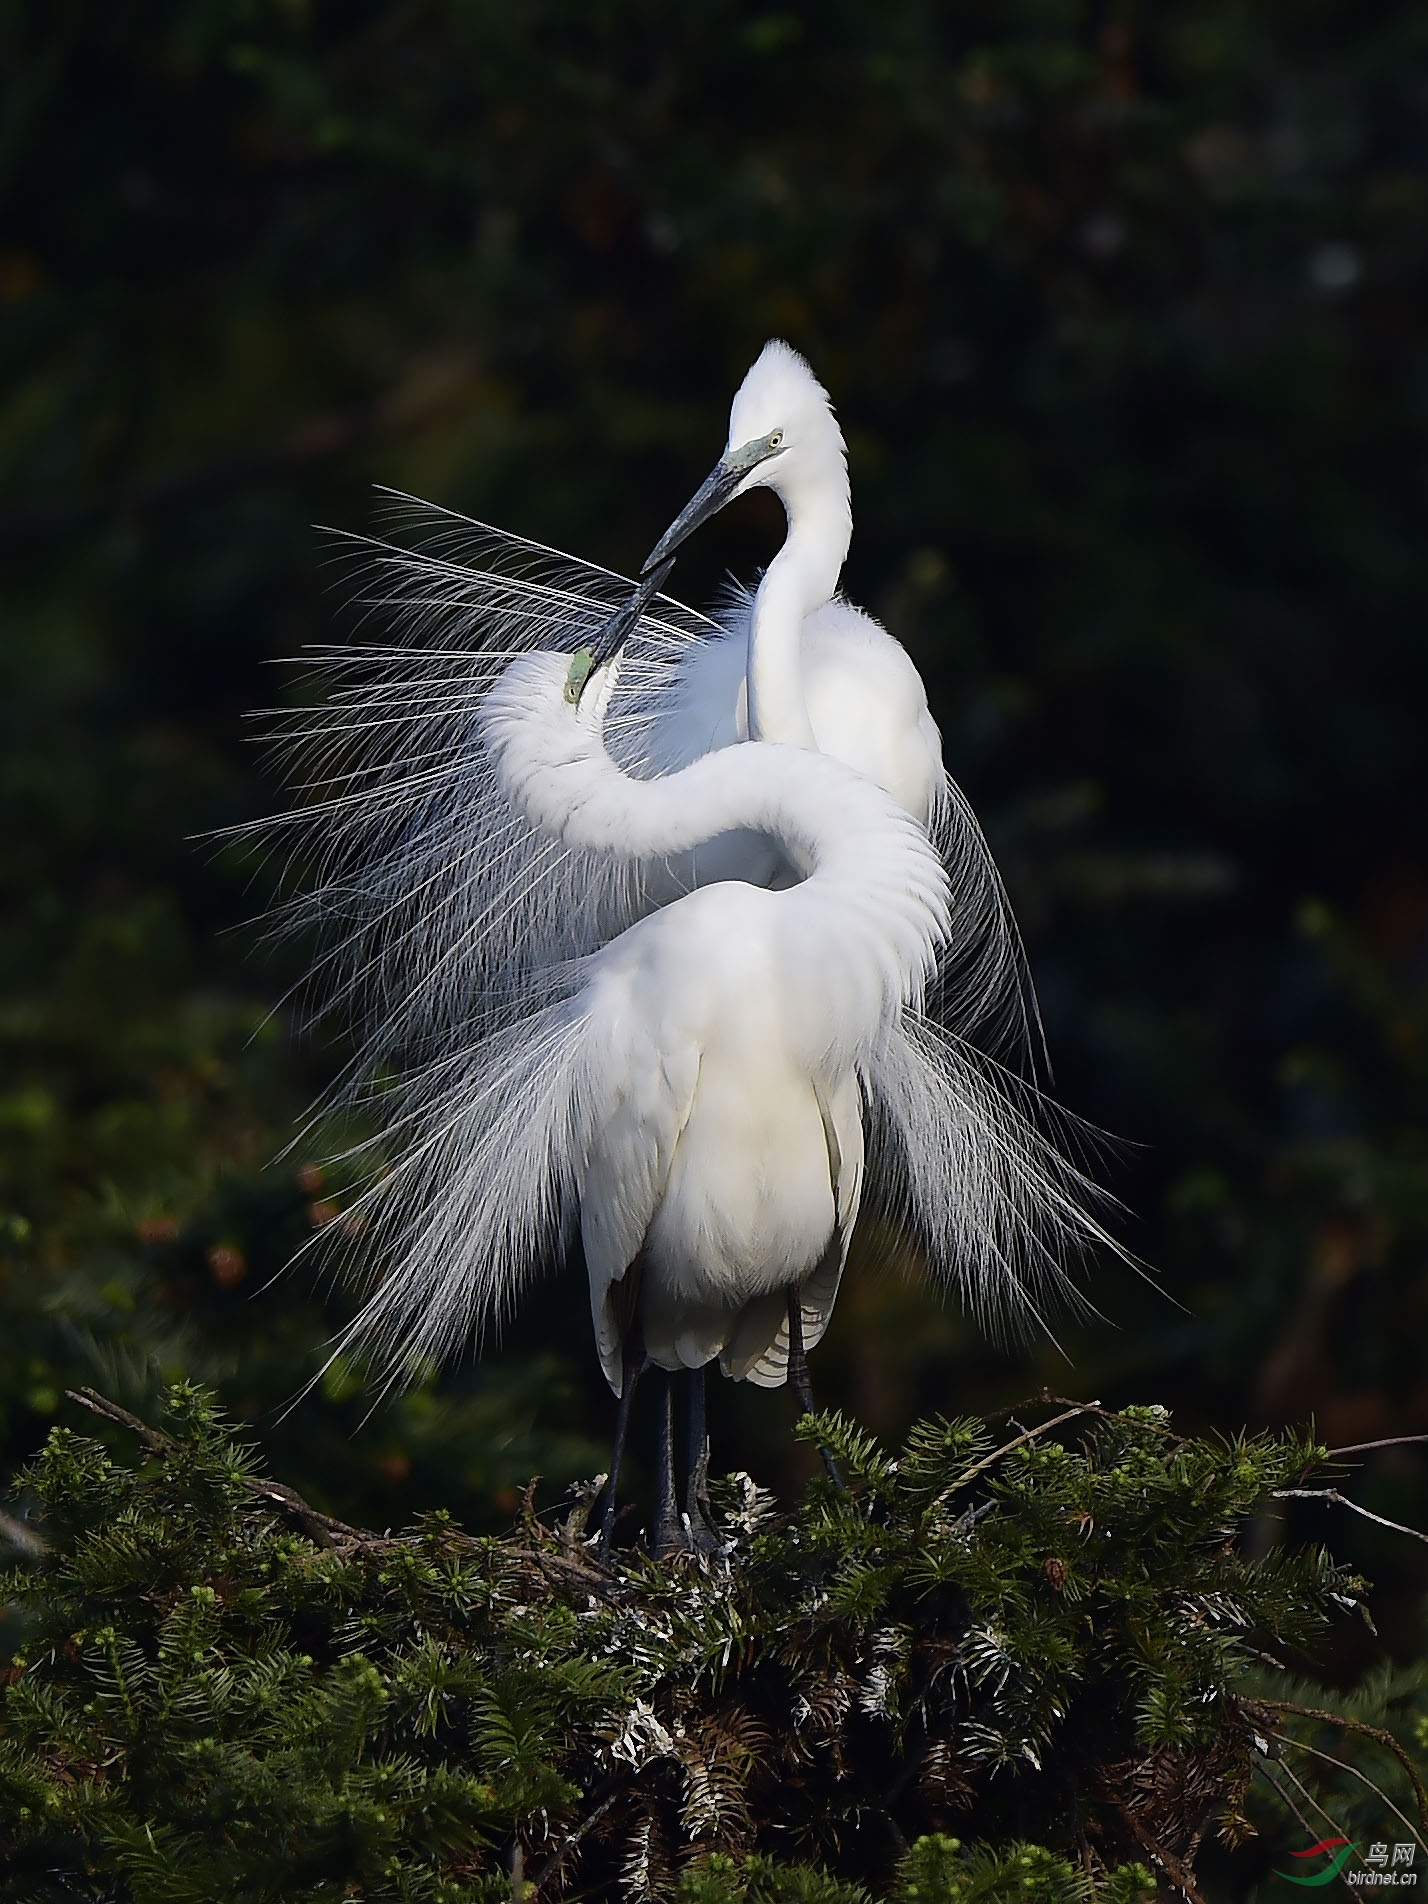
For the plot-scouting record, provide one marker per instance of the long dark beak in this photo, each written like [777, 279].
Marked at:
[717, 489]
[615, 632]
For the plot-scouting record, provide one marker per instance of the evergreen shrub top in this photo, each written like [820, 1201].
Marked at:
[1008, 1664]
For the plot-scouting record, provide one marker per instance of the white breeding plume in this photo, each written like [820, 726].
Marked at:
[731, 1002]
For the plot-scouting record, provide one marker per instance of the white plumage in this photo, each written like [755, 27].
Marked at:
[795, 662]
[720, 1144]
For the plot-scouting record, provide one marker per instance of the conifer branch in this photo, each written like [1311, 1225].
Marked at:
[435, 1697]
[325, 1529]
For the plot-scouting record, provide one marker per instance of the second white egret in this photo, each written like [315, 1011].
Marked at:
[437, 898]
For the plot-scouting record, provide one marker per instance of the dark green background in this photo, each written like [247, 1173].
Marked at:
[1124, 311]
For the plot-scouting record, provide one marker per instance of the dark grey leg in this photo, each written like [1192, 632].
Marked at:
[798, 1378]
[634, 1362]
[798, 1357]
[668, 1535]
[696, 1473]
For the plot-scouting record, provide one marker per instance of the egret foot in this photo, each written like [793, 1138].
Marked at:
[800, 1384]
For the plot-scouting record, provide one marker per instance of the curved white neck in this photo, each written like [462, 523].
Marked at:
[874, 899]
[801, 577]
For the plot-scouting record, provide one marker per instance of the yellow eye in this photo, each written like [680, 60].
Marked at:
[774, 439]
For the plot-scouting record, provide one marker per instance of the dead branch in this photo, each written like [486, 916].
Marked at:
[1362, 1726]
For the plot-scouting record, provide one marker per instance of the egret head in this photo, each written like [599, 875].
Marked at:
[783, 436]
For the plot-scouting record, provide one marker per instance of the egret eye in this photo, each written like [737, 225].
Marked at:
[774, 439]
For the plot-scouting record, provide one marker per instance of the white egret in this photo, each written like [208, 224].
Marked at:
[438, 898]
[796, 662]
[713, 1130]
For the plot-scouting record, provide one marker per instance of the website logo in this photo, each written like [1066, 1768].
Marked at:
[1379, 1864]
[1342, 1850]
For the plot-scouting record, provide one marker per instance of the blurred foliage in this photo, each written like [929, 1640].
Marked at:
[1035, 1640]
[1124, 310]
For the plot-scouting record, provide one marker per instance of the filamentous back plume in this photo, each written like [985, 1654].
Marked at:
[444, 920]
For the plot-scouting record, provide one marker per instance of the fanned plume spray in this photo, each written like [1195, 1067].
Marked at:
[436, 904]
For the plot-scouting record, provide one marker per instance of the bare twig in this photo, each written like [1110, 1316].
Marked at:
[590, 1576]
[1268, 1658]
[1333, 1496]
[1364, 1447]
[1332, 1823]
[324, 1528]
[1169, 1864]
[1344, 1765]
[1027, 1434]
[1043, 1398]
[1303, 1821]
[1289, 1804]
[98, 1404]
[613, 1788]
[1379, 1734]
[1046, 1399]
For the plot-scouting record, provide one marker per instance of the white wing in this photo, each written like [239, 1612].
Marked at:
[759, 1352]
